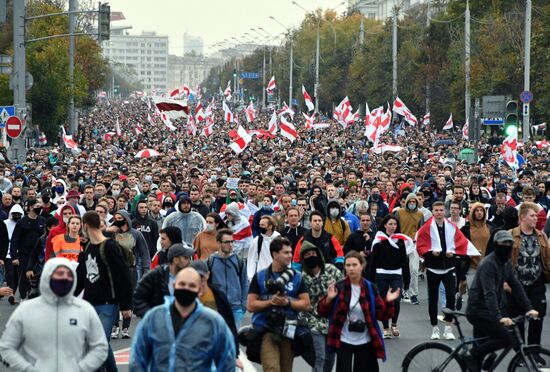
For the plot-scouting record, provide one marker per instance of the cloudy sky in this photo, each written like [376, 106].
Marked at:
[213, 20]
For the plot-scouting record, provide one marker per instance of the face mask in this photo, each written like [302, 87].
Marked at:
[167, 204]
[184, 296]
[210, 227]
[263, 230]
[148, 178]
[341, 190]
[19, 183]
[16, 217]
[81, 182]
[411, 206]
[302, 190]
[61, 287]
[213, 178]
[46, 199]
[312, 261]
[503, 252]
[266, 207]
[115, 193]
[59, 189]
[334, 212]
[66, 220]
[37, 210]
[375, 197]
[119, 224]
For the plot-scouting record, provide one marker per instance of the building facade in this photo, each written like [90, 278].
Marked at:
[383, 9]
[190, 70]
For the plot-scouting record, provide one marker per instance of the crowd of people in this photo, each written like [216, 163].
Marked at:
[319, 239]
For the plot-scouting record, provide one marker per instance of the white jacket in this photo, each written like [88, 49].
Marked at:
[257, 263]
[51, 333]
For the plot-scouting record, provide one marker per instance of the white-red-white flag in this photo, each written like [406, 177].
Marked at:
[449, 124]
[426, 120]
[69, 141]
[509, 150]
[117, 128]
[272, 125]
[138, 128]
[309, 120]
[428, 239]
[199, 112]
[308, 100]
[208, 130]
[250, 113]
[288, 130]
[285, 110]
[465, 130]
[102, 94]
[342, 111]
[167, 122]
[400, 108]
[191, 126]
[271, 85]
[42, 140]
[151, 121]
[227, 114]
[227, 92]
[171, 108]
[241, 141]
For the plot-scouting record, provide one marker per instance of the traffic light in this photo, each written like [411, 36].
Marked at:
[104, 22]
[116, 89]
[511, 120]
[234, 73]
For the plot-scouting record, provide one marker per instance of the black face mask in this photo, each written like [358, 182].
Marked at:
[262, 230]
[184, 296]
[46, 199]
[312, 261]
[61, 287]
[375, 197]
[16, 217]
[37, 210]
[503, 252]
[167, 204]
[302, 190]
[119, 224]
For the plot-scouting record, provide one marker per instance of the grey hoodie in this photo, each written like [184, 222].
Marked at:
[67, 335]
[141, 250]
[190, 224]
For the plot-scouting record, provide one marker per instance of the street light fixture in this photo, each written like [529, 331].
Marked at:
[291, 59]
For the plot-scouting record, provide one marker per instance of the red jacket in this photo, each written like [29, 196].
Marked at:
[336, 311]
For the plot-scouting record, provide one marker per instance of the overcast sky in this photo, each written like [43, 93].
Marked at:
[213, 20]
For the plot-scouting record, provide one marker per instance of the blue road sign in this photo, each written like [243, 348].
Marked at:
[526, 96]
[492, 121]
[5, 113]
[250, 75]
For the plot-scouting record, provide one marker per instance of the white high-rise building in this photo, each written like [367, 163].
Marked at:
[192, 45]
[146, 55]
[383, 9]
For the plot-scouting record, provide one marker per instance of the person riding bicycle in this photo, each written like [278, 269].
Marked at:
[485, 311]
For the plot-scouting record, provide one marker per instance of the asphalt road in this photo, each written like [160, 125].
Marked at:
[413, 324]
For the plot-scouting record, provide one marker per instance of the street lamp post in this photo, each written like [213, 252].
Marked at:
[291, 63]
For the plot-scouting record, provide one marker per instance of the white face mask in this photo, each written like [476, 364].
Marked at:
[66, 220]
[210, 227]
[334, 212]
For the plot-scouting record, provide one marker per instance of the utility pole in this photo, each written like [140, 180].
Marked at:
[19, 72]
[362, 32]
[72, 21]
[394, 51]
[467, 98]
[317, 52]
[526, 70]
[290, 71]
[263, 81]
[428, 88]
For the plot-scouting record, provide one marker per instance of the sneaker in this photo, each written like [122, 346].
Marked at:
[405, 298]
[387, 333]
[394, 330]
[435, 333]
[414, 300]
[125, 333]
[539, 360]
[448, 333]
[488, 362]
[458, 302]
[440, 317]
[12, 301]
[114, 333]
[472, 363]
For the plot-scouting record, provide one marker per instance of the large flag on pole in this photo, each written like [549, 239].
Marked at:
[241, 141]
[308, 100]
[272, 125]
[400, 108]
[227, 114]
[509, 150]
[449, 124]
[227, 92]
[271, 85]
[288, 130]
[171, 108]
[465, 130]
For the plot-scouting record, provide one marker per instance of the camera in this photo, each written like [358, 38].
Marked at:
[358, 326]
[278, 285]
[275, 319]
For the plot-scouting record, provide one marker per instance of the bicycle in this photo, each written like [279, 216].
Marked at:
[438, 357]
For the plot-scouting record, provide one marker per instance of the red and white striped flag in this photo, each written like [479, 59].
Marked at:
[208, 130]
[342, 112]
[117, 128]
[509, 150]
[151, 121]
[272, 125]
[241, 141]
[394, 239]
[227, 114]
[167, 122]
[308, 100]
[102, 94]
[400, 108]
[227, 92]
[271, 85]
[465, 130]
[449, 124]
[172, 109]
[42, 140]
[199, 112]
[138, 128]
[427, 239]
[309, 120]
[288, 130]
[69, 141]
[250, 113]
[426, 120]
[191, 126]
[285, 110]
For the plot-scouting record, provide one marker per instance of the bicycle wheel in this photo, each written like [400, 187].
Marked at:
[536, 359]
[430, 357]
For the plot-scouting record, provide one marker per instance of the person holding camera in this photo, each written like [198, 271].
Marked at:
[354, 306]
[275, 297]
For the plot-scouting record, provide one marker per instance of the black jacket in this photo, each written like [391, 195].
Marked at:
[293, 235]
[385, 256]
[150, 231]
[224, 309]
[486, 291]
[26, 233]
[151, 290]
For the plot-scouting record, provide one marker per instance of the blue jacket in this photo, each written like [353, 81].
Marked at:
[226, 273]
[352, 221]
[203, 339]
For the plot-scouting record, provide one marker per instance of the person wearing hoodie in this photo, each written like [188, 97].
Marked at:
[327, 244]
[143, 223]
[335, 223]
[12, 271]
[238, 223]
[478, 231]
[266, 209]
[189, 222]
[259, 256]
[25, 234]
[67, 336]
[317, 276]
[411, 220]
[62, 216]
[59, 190]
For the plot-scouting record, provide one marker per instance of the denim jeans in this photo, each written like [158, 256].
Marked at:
[107, 314]
[238, 314]
[324, 359]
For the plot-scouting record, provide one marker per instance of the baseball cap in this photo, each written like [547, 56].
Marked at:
[503, 237]
[200, 266]
[180, 250]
